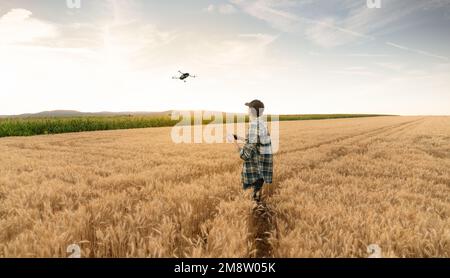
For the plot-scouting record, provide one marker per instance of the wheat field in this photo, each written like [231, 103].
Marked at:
[339, 186]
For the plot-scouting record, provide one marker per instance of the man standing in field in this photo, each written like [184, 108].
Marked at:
[256, 152]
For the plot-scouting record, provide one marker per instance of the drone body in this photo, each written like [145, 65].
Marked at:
[183, 76]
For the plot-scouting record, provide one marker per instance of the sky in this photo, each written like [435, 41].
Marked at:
[297, 56]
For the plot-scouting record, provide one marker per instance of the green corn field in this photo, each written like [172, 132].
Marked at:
[57, 125]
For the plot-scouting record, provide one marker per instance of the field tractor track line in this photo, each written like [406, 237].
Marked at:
[262, 224]
[373, 132]
[376, 131]
[264, 220]
[370, 142]
[402, 126]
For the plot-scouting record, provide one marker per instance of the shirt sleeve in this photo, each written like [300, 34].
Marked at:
[248, 151]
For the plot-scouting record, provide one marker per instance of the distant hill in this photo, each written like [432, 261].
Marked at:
[74, 113]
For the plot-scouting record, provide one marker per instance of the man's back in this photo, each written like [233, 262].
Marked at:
[257, 154]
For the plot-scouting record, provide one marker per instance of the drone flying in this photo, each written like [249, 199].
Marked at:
[183, 76]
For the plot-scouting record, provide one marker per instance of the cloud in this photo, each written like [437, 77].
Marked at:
[421, 52]
[120, 44]
[246, 49]
[222, 9]
[211, 8]
[18, 26]
[391, 66]
[266, 11]
[327, 34]
[262, 39]
[231, 57]
[352, 19]
[348, 21]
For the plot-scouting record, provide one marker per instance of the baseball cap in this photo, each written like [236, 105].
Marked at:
[257, 104]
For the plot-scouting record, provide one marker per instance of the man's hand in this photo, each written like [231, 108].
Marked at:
[230, 138]
[238, 148]
[233, 138]
[238, 138]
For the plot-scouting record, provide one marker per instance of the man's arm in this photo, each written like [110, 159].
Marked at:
[250, 146]
[238, 147]
[246, 151]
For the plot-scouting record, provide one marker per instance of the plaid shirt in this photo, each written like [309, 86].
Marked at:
[257, 155]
